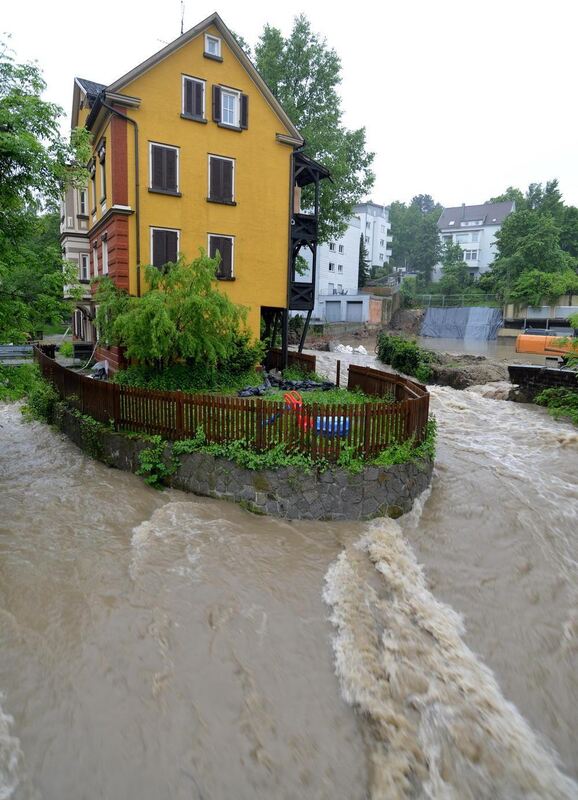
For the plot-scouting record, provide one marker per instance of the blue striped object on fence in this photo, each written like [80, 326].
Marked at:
[332, 426]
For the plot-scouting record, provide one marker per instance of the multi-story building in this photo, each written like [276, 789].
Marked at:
[191, 150]
[337, 297]
[376, 230]
[474, 228]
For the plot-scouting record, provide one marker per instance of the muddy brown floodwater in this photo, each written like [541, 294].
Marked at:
[160, 646]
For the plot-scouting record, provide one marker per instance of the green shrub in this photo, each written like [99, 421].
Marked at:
[405, 356]
[66, 350]
[560, 403]
[16, 381]
[152, 465]
[41, 401]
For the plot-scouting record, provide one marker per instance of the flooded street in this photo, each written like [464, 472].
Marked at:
[159, 646]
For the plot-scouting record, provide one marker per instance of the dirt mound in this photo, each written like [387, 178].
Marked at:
[407, 320]
[464, 370]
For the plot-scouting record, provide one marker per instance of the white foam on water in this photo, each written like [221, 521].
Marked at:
[10, 756]
[436, 721]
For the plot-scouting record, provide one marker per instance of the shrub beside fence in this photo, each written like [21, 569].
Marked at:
[321, 430]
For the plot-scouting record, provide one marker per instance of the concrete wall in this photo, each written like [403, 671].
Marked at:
[286, 492]
[532, 379]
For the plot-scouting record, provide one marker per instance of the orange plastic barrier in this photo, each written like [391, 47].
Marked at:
[545, 345]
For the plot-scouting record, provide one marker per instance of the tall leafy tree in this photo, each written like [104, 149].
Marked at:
[416, 246]
[304, 74]
[35, 165]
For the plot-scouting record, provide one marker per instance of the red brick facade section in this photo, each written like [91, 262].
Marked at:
[116, 232]
[114, 356]
[119, 163]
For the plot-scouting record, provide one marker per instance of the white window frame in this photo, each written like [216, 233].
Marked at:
[168, 147]
[195, 80]
[381, 242]
[331, 266]
[160, 228]
[340, 268]
[381, 256]
[226, 92]
[330, 288]
[84, 264]
[332, 246]
[83, 201]
[104, 246]
[340, 287]
[210, 38]
[223, 158]
[95, 260]
[224, 236]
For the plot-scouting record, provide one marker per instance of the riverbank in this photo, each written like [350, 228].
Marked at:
[292, 492]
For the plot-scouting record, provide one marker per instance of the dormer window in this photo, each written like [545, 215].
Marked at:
[212, 46]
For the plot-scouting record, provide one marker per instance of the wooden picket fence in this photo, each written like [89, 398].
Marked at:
[321, 430]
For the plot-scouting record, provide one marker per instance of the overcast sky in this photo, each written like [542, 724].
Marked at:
[460, 98]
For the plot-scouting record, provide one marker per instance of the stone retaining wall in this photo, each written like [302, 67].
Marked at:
[286, 492]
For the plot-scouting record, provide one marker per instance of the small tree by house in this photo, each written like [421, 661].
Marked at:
[455, 274]
[183, 317]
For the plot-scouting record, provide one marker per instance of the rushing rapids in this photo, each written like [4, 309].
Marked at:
[158, 645]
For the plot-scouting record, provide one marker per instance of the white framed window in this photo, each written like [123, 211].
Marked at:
[95, 260]
[332, 246]
[212, 45]
[381, 242]
[84, 266]
[163, 168]
[193, 97]
[475, 236]
[367, 240]
[82, 202]
[331, 266]
[341, 248]
[230, 107]
[448, 238]
[381, 256]
[339, 287]
[330, 288]
[367, 226]
[164, 246]
[225, 247]
[104, 256]
[383, 228]
[340, 268]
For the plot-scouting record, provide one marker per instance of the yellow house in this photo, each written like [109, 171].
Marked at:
[192, 150]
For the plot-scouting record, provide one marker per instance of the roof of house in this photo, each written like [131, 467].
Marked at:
[212, 19]
[91, 88]
[486, 214]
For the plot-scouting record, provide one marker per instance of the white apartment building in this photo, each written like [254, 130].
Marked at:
[337, 298]
[376, 229]
[474, 228]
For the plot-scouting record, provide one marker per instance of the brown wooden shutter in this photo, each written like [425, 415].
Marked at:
[216, 103]
[216, 180]
[225, 270]
[198, 99]
[189, 96]
[159, 248]
[171, 239]
[170, 170]
[227, 180]
[244, 111]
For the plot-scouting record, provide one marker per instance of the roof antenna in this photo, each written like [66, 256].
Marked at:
[182, 16]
